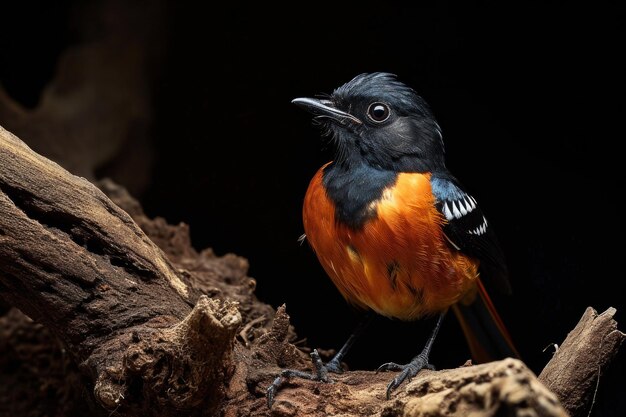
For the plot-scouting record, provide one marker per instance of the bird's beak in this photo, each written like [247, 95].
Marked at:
[325, 108]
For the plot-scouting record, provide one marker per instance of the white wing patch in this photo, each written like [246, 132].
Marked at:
[446, 211]
[460, 208]
[455, 211]
[469, 200]
[480, 230]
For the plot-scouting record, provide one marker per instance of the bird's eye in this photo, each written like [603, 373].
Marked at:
[378, 112]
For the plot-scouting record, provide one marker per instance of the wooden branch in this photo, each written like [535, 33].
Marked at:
[178, 368]
[499, 388]
[578, 364]
[75, 262]
[505, 387]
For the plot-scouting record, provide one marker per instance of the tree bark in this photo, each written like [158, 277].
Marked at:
[74, 261]
[158, 329]
[575, 370]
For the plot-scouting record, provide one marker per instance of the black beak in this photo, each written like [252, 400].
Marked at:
[325, 108]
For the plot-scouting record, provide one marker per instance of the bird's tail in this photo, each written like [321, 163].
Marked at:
[486, 335]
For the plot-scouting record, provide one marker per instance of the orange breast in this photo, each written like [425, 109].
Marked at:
[399, 263]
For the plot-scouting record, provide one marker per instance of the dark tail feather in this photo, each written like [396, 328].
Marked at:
[484, 330]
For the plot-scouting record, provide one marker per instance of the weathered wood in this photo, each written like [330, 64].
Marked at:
[64, 243]
[505, 387]
[32, 360]
[578, 364]
[74, 261]
[179, 369]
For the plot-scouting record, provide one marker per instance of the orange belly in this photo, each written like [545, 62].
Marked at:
[399, 263]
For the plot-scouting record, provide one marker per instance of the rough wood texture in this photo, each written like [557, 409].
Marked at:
[74, 261]
[34, 365]
[574, 370]
[119, 292]
[69, 236]
[500, 388]
[178, 368]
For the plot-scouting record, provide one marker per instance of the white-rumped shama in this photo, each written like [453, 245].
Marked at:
[396, 232]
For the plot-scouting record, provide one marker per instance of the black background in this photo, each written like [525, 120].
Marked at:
[530, 99]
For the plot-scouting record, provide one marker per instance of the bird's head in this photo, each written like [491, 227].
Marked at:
[377, 120]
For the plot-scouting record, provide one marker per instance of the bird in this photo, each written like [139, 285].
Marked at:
[396, 232]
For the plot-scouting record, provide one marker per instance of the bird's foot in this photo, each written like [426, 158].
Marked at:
[407, 371]
[320, 374]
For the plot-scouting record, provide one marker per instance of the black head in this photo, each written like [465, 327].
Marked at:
[377, 120]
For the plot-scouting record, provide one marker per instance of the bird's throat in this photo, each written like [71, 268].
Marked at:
[355, 190]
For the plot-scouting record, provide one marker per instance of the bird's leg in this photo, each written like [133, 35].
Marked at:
[321, 370]
[417, 363]
[334, 365]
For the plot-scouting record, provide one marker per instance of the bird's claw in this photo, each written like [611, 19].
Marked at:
[321, 375]
[408, 371]
[272, 389]
[390, 366]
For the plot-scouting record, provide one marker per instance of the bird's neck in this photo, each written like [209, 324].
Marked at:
[357, 157]
[353, 187]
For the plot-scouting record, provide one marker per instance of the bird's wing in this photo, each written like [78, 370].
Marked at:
[468, 230]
